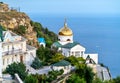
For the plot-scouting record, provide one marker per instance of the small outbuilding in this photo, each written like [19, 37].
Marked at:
[65, 65]
[41, 42]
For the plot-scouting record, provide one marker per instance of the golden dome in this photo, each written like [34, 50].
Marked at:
[65, 31]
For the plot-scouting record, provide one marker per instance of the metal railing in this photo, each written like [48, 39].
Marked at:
[12, 52]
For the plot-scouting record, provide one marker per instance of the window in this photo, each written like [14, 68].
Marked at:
[81, 53]
[59, 39]
[68, 39]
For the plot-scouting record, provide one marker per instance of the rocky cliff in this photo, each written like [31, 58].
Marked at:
[11, 19]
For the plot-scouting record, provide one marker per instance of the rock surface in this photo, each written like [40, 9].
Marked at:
[11, 19]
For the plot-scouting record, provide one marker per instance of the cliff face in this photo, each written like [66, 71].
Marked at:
[3, 7]
[11, 19]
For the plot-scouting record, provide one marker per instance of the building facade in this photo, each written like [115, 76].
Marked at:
[62, 65]
[68, 47]
[13, 48]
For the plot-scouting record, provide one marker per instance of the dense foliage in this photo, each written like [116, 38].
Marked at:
[57, 57]
[48, 56]
[44, 54]
[52, 75]
[2, 28]
[49, 36]
[82, 72]
[75, 61]
[18, 68]
[31, 79]
[75, 79]
[36, 64]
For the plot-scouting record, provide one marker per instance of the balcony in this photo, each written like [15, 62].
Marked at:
[13, 52]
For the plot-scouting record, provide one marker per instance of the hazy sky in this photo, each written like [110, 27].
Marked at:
[67, 6]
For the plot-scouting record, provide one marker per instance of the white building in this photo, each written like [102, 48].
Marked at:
[64, 65]
[13, 48]
[41, 42]
[68, 47]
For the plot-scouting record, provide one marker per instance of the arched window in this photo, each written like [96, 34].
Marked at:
[68, 39]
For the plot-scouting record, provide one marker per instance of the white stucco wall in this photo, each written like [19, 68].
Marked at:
[24, 46]
[29, 57]
[78, 48]
[63, 39]
[66, 52]
[77, 51]
[15, 50]
[66, 69]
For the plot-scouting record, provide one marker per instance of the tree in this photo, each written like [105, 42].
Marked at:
[89, 75]
[44, 54]
[52, 75]
[31, 79]
[36, 64]
[44, 32]
[57, 57]
[97, 80]
[75, 79]
[85, 72]
[117, 79]
[18, 68]
[41, 78]
[75, 61]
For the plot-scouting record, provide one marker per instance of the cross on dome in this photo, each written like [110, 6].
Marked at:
[65, 23]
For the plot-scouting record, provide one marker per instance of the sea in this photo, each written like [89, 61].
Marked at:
[97, 34]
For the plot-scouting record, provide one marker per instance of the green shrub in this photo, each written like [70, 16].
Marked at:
[31, 79]
[18, 68]
[36, 64]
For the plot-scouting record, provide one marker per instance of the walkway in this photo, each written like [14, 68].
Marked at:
[8, 79]
[43, 70]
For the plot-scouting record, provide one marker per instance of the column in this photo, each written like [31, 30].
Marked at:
[1, 62]
[74, 53]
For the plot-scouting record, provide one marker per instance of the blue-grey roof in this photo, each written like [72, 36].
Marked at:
[41, 40]
[57, 44]
[62, 63]
[70, 45]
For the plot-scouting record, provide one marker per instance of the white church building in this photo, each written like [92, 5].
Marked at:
[13, 48]
[68, 47]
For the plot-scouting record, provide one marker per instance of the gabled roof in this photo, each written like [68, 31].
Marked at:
[57, 44]
[62, 63]
[70, 45]
[7, 35]
[90, 60]
[41, 40]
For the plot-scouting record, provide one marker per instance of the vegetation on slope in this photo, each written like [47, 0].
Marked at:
[49, 36]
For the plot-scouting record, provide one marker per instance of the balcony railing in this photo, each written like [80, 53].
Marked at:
[12, 52]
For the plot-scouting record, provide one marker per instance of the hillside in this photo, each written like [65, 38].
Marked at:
[21, 24]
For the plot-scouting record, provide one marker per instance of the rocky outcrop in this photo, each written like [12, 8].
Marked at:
[3, 7]
[12, 19]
